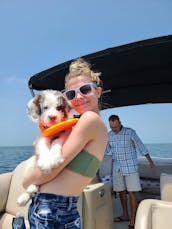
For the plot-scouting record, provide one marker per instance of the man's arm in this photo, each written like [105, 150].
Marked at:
[143, 150]
[151, 163]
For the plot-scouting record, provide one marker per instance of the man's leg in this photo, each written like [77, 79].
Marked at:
[133, 186]
[133, 207]
[123, 198]
[119, 186]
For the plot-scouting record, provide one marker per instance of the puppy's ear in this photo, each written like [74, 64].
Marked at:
[33, 108]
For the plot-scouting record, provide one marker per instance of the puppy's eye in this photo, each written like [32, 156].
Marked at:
[60, 108]
[45, 108]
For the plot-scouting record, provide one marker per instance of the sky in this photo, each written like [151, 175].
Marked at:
[36, 35]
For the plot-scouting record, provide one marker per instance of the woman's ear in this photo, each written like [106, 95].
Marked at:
[99, 91]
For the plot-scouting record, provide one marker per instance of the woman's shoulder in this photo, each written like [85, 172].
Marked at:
[92, 118]
[89, 114]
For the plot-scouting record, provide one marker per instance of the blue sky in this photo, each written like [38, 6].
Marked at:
[36, 35]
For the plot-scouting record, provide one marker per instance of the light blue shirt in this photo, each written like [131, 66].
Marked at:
[123, 146]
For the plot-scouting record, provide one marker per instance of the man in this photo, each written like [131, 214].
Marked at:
[124, 144]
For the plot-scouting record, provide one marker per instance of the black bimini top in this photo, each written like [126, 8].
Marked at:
[135, 73]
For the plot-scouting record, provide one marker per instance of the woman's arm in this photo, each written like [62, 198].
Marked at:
[84, 132]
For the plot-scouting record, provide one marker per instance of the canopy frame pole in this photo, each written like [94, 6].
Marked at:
[31, 90]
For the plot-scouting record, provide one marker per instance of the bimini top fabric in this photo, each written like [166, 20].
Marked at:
[135, 73]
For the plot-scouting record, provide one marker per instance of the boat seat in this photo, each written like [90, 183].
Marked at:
[166, 186]
[94, 203]
[105, 170]
[10, 190]
[154, 214]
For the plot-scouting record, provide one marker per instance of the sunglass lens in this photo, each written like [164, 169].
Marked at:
[85, 89]
[70, 94]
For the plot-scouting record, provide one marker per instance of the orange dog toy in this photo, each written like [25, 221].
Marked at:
[52, 130]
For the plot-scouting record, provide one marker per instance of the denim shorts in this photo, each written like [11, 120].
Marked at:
[54, 211]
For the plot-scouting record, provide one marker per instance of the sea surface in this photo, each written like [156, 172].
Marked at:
[10, 157]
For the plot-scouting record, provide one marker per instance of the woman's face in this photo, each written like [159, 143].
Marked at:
[87, 102]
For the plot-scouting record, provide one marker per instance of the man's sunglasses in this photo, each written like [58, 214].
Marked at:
[83, 90]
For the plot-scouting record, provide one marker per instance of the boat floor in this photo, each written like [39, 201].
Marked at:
[117, 209]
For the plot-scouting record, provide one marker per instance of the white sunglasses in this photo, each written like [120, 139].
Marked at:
[83, 90]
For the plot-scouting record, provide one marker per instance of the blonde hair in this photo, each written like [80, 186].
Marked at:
[80, 67]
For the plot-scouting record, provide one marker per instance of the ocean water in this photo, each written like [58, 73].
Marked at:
[160, 150]
[10, 157]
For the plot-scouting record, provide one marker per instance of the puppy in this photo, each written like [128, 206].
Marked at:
[48, 108]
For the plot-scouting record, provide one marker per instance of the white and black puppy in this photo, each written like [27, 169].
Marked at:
[48, 108]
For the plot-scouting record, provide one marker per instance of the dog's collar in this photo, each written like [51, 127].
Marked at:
[55, 129]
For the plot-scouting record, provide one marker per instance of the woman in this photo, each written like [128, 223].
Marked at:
[55, 206]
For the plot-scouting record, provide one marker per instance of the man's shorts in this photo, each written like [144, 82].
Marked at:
[131, 182]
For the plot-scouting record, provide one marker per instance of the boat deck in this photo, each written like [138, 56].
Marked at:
[117, 209]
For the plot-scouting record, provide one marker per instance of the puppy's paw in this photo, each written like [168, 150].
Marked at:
[56, 159]
[32, 189]
[44, 165]
[23, 199]
[56, 155]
